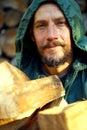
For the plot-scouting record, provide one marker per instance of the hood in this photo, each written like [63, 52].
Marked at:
[25, 48]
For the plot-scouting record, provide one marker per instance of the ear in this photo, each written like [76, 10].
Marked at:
[31, 34]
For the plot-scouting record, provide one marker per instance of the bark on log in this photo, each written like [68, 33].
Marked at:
[1, 18]
[12, 17]
[16, 4]
[7, 42]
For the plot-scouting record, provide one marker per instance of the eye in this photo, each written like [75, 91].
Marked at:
[61, 23]
[41, 26]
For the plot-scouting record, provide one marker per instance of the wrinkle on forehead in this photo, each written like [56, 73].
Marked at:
[47, 10]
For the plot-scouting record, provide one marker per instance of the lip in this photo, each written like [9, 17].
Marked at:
[51, 47]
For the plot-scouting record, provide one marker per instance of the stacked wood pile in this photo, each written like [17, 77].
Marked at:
[11, 12]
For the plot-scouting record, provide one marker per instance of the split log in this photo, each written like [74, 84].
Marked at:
[12, 17]
[1, 18]
[7, 42]
[70, 117]
[15, 125]
[20, 5]
[25, 98]
[0, 52]
[10, 75]
[16, 4]
[7, 4]
[33, 124]
[2, 59]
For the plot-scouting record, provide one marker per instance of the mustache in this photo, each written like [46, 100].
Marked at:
[50, 44]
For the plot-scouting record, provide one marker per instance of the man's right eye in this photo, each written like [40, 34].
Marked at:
[41, 26]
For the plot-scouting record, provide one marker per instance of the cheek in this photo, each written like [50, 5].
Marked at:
[39, 39]
[67, 37]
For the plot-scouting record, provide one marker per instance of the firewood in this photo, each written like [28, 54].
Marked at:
[2, 59]
[20, 5]
[0, 52]
[16, 4]
[70, 117]
[27, 97]
[1, 18]
[12, 17]
[7, 4]
[7, 42]
[15, 125]
[33, 123]
[34, 94]
[10, 75]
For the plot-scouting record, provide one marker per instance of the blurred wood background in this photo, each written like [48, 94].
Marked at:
[11, 12]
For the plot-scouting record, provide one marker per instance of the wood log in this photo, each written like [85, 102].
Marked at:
[12, 17]
[16, 4]
[70, 117]
[0, 52]
[7, 4]
[15, 125]
[34, 94]
[7, 42]
[10, 75]
[25, 98]
[20, 5]
[2, 59]
[1, 18]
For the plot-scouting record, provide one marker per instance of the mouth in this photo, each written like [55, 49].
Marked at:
[53, 45]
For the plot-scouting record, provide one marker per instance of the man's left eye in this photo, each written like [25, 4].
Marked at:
[61, 23]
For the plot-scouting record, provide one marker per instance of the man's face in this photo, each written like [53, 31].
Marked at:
[51, 34]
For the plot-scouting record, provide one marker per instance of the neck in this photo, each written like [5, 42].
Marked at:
[58, 70]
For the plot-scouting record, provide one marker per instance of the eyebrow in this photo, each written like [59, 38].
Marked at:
[40, 21]
[60, 18]
[43, 20]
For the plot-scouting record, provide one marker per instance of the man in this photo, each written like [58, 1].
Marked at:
[51, 41]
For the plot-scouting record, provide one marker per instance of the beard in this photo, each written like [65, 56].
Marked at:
[52, 59]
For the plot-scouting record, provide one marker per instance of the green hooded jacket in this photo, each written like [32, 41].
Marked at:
[27, 56]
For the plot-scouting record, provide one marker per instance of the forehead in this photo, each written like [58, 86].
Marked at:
[48, 9]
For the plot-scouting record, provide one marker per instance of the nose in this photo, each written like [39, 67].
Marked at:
[52, 33]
